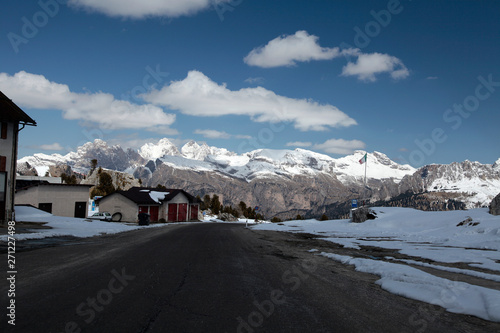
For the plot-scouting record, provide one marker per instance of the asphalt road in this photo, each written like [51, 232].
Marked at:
[207, 278]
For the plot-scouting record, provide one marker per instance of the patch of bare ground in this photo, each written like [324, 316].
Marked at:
[303, 242]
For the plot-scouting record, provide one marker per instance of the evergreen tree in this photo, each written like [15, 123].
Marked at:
[324, 218]
[105, 186]
[68, 179]
[198, 199]
[206, 202]
[243, 208]
[215, 204]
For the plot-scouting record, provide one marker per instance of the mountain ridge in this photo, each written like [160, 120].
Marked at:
[280, 180]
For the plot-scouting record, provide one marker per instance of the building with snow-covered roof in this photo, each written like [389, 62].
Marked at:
[171, 205]
[11, 116]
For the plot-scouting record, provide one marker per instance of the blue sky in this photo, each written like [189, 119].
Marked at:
[417, 80]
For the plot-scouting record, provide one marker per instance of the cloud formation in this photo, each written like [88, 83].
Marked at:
[369, 64]
[53, 146]
[287, 50]
[214, 134]
[141, 9]
[35, 91]
[340, 146]
[299, 144]
[198, 95]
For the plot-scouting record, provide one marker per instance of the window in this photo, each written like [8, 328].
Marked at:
[3, 183]
[3, 163]
[47, 207]
[4, 130]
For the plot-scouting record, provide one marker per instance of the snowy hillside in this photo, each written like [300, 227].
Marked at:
[477, 184]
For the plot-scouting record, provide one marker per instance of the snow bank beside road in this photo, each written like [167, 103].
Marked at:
[431, 235]
[454, 296]
[436, 236]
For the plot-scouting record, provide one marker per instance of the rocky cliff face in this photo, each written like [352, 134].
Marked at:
[473, 183]
[495, 206]
[121, 180]
[109, 157]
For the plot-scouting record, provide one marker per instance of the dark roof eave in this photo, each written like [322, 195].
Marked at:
[12, 112]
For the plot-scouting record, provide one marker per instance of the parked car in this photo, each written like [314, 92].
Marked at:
[104, 216]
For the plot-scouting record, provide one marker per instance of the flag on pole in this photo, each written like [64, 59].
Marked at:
[363, 159]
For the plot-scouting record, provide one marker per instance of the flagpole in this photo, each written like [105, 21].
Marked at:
[364, 189]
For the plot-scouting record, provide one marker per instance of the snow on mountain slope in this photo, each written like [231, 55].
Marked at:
[41, 162]
[152, 151]
[259, 163]
[378, 166]
[265, 163]
[480, 183]
[477, 183]
[192, 150]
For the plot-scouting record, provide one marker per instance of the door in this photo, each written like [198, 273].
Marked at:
[153, 213]
[194, 212]
[172, 212]
[144, 209]
[183, 209]
[80, 209]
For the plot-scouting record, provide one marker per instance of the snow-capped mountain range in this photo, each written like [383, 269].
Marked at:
[261, 163]
[334, 178]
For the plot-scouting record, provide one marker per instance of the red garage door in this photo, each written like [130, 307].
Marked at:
[183, 209]
[194, 212]
[172, 212]
[153, 212]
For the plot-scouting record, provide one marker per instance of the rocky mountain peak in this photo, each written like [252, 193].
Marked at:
[194, 151]
[153, 151]
[496, 165]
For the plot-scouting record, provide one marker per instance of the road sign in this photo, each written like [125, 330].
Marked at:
[354, 203]
[256, 208]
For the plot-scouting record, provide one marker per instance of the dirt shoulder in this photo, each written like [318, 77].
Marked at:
[300, 243]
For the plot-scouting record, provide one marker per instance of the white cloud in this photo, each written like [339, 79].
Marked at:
[299, 144]
[340, 146]
[197, 95]
[369, 65]
[214, 134]
[288, 49]
[140, 9]
[432, 78]
[35, 91]
[53, 146]
[255, 80]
